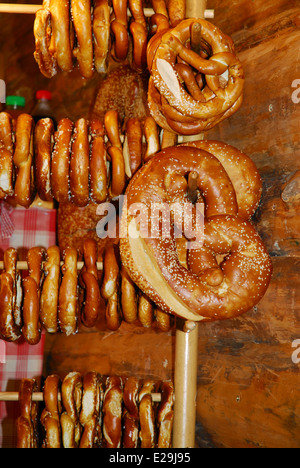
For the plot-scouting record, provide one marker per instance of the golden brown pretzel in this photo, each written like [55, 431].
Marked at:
[112, 412]
[119, 29]
[113, 128]
[101, 30]
[43, 138]
[152, 138]
[50, 417]
[133, 146]
[6, 156]
[79, 164]
[60, 182]
[31, 329]
[131, 413]
[246, 270]
[81, 14]
[60, 22]
[218, 99]
[92, 300]
[98, 167]
[23, 161]
[128, 298]
[90, 411]
[27, 435]
[165, 415]
[44, 54]
[68, 294]
[10, 298]
[176, 10]
[50, 290]
[147, 432]
[145, 310]
[110, 288]
[140, 40]
[71, 391]
[118, 175]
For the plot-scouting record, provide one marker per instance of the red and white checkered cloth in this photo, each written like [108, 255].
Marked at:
[20, 228]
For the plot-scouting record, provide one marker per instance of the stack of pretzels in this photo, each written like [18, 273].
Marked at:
[93, 411]
[196, 78]
[90, 31]
[82, 162]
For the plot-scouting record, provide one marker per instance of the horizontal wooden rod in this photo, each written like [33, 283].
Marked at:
[39, 397]
[32, 9]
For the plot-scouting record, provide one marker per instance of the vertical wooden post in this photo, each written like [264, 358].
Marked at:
[186, 347]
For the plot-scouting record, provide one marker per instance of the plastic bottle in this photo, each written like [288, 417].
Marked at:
[15, 105]
[42, 107]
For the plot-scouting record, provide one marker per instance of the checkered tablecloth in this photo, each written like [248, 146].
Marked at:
[21, 229]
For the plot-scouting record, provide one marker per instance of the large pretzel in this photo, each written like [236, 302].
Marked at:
[220, 291]
[181, 111]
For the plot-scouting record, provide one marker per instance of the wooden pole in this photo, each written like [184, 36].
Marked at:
[186, 347]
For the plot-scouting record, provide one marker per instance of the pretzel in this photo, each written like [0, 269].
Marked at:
[128, 298]
[165, 415]
[101, 30]
[43, 137]
[113, 128]
[50, 290]
[71, 391]
[131, 413]
[218, 99]
[133, 146]
[60, 182]
[44, 53]
[118, 175]
[79, 164]
[50, 417]
[163, 320]
[153, 263]
[110, 288]
[81, 15]
[31, 329]
[147, 432]
[27, 436]
[92, 302]
[23, 161]
[6, 156]
[90, 410]
[137, 10]
[98, 168]
[145, 310]
[176, 10]
[119, 30]
[10, 298]
[68, 294]
[112, 413]
[152, 138]
[60, 22]
[140, 40]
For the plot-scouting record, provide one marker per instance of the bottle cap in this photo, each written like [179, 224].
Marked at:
[15, 101]
[44, 94]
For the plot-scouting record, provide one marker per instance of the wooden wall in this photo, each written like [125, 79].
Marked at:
[248, 385]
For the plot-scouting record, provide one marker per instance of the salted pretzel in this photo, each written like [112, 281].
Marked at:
[131, 413]
[110, 288]
[71, 391]
[89, 275]
[147, 434]
[219, 98]
[101, 31]
[98, 163]
[31, 329]
[119, 28]
[79, 164]
[24, 190]
[61, 40]
[83, 51]
[6, 156]
[50, 290]
[43, 139]
[90, 418]
[10, 298]
[60, 179]
[50, 417]
[165, 415]
[68, 293]
[27, 422]
[153, 264]
[44, 54]
[112, 412]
